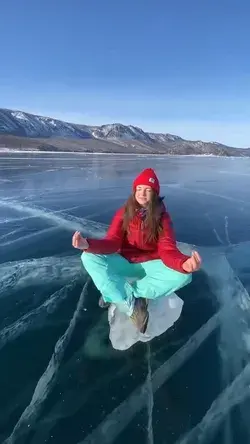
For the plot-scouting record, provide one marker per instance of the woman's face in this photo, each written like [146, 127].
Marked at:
[143, 195]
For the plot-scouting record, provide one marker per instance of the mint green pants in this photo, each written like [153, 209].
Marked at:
[111, 274]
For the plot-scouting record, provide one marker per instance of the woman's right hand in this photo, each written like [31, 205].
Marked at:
[79, 242]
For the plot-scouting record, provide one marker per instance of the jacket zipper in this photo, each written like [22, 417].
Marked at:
[141, 233]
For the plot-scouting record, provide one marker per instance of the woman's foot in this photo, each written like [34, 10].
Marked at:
[102, 303]
[140, 315]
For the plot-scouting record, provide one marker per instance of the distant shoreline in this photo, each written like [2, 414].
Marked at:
[9, 151]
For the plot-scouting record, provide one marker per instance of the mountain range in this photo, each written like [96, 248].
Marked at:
[25, 131]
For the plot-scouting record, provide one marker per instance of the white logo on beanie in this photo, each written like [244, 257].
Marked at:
[151, 179]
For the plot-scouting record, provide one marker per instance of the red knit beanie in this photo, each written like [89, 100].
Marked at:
[147, 177]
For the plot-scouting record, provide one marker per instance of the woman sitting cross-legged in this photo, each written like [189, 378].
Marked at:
[139, 246]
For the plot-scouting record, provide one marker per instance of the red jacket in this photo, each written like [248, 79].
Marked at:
[134, 247]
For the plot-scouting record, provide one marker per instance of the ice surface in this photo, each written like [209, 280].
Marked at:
[163, 313]
[21, 274]
[234, 394]
[48, 379]
[226, 286]
[231, 323]
[36, 317]
[150, 398]
[66, 221]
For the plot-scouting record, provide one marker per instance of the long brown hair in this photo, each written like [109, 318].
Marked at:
[152, 218]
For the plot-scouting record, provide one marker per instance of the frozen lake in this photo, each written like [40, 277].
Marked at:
[61, 381]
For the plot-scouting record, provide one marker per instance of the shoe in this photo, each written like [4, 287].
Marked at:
[140, 315]
[102, 303]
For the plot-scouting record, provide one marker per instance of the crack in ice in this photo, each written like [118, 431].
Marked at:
[34, 318]
[48, 379]
[64, 220]
[234, 394]
[115, 422]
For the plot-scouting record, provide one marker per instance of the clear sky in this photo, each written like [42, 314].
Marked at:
[179, 66]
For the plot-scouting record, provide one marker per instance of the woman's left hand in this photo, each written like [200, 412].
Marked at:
[193, 263]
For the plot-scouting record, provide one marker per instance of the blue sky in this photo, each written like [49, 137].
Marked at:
[177, 66]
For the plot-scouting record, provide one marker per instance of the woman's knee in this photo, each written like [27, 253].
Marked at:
[85, 257]
[171, 275]
[90, 260]
[178, 279]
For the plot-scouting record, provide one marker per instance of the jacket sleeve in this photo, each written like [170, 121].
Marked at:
[112, 241]
[168, 251]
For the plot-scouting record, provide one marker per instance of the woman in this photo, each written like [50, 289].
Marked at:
[140, 245]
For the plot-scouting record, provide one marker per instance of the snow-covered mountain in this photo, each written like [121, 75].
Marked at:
[117, 131]
[23, 130]
[24, 124]
[19, 123]
[164, 138]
